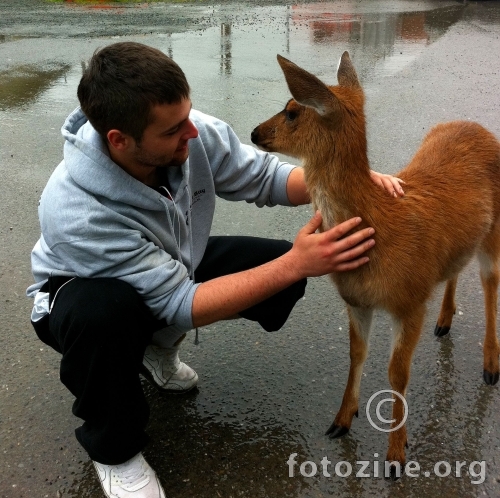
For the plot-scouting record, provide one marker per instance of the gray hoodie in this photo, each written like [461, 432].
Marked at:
[98, 221]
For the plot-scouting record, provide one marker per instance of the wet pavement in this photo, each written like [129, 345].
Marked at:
[261, 396]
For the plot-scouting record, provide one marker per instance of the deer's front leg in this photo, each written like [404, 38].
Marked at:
[360, 320]
[406, 336]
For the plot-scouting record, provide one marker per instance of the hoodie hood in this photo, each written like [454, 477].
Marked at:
[88, 162]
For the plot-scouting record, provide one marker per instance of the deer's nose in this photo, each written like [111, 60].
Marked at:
[255, 135]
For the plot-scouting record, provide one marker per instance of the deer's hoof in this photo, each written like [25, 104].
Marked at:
[393, 473]
[336, 431]
[441, 331]
[490, 378]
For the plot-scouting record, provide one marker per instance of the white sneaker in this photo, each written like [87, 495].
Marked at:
[132, 479]
[162, 367]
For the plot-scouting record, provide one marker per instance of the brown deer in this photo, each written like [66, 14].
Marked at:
[450, 211]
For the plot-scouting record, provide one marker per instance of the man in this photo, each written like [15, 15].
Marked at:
[125, 265]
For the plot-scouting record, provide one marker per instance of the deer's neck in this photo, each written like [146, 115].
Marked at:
[338, 178]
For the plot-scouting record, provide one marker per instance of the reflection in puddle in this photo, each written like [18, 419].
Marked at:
[230, 459]
[22, 85]
[390, 41]
[9, 38]
[225, 49]
[232, 450]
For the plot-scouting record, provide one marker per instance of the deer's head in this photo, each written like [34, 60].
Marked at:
[312, 122]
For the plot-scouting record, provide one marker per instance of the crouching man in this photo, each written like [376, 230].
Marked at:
[125, 264]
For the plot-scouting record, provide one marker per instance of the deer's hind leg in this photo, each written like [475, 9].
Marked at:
[448, 309]
[489, 256]
[360, 320]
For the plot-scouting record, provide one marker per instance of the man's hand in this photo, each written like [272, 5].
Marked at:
[321, 253]
[312, 254]
[390, 183]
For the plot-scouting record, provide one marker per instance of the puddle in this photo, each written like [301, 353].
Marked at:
[239, 458]
[322, 22]
[22, 85]
[382, 44]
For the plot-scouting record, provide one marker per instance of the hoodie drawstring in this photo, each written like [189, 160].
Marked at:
[190, 231]
[190, 234]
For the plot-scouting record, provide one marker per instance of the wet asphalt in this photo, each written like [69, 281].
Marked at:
[261, 396]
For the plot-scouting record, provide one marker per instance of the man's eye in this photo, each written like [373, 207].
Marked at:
[172, 132]
[290, 115]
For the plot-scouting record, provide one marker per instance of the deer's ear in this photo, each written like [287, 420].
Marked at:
[346, 74]
[307, 89]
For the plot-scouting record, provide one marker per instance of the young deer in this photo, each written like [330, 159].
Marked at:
[450, 211]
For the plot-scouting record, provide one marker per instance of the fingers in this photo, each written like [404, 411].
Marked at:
[391, 184]
[338, 231]
[333, 250]
[352, 265]
[396, 185]
[349, 251]
[353, 250]
[313, 224]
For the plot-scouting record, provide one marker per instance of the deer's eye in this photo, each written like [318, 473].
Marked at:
[290, 115]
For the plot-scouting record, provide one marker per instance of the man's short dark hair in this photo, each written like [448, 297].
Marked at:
[121, 84]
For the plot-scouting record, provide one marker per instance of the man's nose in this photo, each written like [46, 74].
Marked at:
[191, 131]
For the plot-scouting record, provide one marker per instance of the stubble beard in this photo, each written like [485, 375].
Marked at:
[149, 160]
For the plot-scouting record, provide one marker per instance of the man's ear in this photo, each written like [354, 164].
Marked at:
[119, 140]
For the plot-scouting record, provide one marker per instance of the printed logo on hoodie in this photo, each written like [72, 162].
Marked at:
[197, 196]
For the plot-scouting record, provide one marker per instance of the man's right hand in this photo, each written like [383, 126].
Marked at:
[317, 254]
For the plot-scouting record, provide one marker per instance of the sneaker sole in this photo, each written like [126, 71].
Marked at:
[147, 375]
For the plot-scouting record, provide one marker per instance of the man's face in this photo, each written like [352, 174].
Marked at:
[165, 140]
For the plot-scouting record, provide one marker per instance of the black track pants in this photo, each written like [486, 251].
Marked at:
[101, 327]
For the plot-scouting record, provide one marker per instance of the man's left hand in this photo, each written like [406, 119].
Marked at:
[390, 183]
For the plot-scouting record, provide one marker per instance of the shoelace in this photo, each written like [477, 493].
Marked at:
[131, 476]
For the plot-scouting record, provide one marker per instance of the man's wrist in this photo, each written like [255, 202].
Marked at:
[289, 265]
